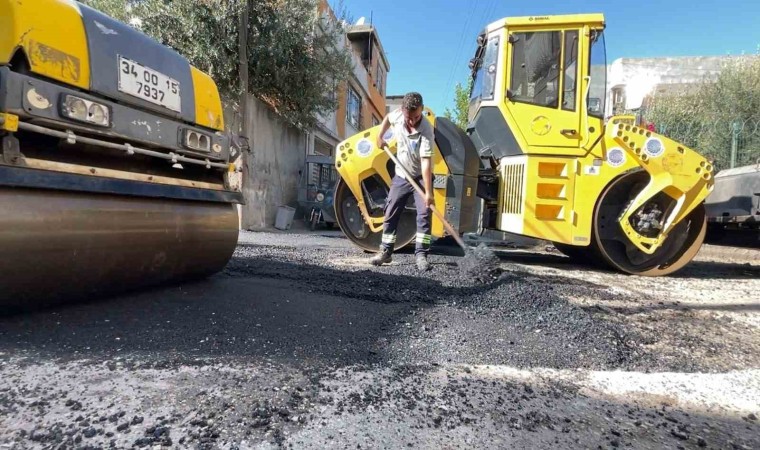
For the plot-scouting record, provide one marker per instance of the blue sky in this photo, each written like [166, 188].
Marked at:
[429, 42]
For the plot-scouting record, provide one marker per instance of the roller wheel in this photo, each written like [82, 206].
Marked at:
[610, 244]
[351, 222]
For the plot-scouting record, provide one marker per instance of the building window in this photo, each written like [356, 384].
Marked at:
[354, 108]
[375, 121]
[618, 100]
[322, 148]
[380, 79]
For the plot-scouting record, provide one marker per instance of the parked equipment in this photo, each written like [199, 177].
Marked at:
[115, 172]
[539, 159]
[316, 189]
[734, 204]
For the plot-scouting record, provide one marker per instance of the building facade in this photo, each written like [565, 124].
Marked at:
[632, 81]
[361, 100]
[393, 102]
[273, 170]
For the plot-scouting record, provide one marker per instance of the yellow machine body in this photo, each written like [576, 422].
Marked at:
[354, 166]
[36, 27]
[552, 167]
[113, 160]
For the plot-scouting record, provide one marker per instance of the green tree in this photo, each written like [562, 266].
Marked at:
[294, 57]
[716, 114]
[461, 112]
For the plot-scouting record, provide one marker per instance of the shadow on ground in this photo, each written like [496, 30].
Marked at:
[269, 304]
[267, 307]
[700, 269]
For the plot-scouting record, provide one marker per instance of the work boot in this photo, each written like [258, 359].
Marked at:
[384, 257]
[422, 263]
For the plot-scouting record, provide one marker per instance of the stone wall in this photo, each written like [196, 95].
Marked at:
[271, 170]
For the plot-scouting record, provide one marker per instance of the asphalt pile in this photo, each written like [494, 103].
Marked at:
[480, 263]
[502, 317]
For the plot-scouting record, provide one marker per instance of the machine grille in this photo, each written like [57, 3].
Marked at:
[512, 190]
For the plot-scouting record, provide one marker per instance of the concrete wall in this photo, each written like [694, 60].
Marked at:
[271, 170]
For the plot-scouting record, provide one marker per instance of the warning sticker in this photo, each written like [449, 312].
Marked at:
[592, 170]
[654, 147]
[364, 148]
[616, 157]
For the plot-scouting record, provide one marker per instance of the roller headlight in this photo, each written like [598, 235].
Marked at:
[77, 109]
[82, 110]
[196, 141]
[98, 114]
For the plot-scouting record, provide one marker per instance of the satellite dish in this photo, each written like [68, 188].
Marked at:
[361, 21]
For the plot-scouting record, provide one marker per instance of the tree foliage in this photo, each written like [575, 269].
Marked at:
[460, 114]
[294, 59]
[716, 114]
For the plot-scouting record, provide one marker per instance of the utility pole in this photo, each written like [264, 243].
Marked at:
[243, 66]
[243, 51]
[734, 142]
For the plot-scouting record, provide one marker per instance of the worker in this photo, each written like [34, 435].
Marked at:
[414, 149]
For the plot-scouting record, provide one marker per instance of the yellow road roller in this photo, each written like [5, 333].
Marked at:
[115, 171]
[540, 159]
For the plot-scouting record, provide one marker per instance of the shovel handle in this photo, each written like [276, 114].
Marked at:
[419, 190]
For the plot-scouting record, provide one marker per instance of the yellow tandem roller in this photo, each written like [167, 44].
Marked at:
[540, 159]
[115, 172]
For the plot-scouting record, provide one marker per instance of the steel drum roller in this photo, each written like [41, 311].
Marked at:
[63, 246]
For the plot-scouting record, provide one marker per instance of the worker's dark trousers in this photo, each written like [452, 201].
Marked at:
[394, 207]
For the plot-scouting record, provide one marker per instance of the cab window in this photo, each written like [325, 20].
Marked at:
[570, 67]
[536, 68]
[484, 73]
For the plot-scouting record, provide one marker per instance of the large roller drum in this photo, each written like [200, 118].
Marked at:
[352, 223]
[611, 245]
[63, 246]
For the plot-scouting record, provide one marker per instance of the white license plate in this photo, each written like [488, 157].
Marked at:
[148, 84]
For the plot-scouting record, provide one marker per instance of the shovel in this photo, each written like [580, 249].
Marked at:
[480, 263]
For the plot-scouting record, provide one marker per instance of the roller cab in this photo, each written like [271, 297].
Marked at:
[115, 171]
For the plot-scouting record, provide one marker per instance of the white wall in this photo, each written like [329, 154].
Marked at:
[639, 76]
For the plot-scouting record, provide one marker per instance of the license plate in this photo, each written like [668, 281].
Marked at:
[145, 83]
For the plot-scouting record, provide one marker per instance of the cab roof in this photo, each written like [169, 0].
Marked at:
[591, 19]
